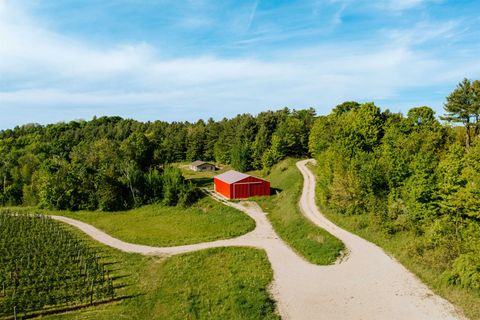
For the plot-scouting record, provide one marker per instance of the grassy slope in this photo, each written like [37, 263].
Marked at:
[313, 243]
[158, 225]
[362, 225]
[222, 283]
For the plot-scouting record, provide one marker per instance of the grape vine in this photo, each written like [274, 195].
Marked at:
[44, 266]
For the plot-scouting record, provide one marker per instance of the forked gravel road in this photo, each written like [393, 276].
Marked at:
[367, 284]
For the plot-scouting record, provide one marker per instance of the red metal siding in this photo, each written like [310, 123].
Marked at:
[241, 190]
[262, 189]
[245, 188]
[222, 187]
[250, 187]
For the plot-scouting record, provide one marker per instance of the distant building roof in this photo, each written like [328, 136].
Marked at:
[232, 176]
[197, 163]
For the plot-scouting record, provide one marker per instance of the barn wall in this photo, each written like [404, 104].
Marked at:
[222, 188]
[262, 189]
[241, 191]
[250, 187]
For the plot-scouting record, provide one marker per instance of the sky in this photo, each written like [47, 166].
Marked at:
[182, 60]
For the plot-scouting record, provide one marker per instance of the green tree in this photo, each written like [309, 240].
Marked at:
[58, 186]
[476, 105]
[274, 153]
[469, 195]
[421, 116]
[153, 186]
[195, 141]
[460, 106]
[138, 149]
[321, 136]
[266, 123]
[212, 132]
[132, 177]
[345, 107]
[173, 146]
[450, 180]
[172, 185]
[359, 129]
[240, 156]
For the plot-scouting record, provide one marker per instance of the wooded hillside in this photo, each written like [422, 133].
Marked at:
[410, 176]
[111, 163]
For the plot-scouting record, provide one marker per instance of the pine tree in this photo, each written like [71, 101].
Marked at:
[460, 107]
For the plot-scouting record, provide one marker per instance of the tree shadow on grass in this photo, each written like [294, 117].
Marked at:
[59, 310]
[275, 191]
[118, 277]
[118, 285]
[201, 182]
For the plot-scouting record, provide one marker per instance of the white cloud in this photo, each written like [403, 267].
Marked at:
[42, 69]
[404, 4]
[399, 6]
[395, 6]
[252, 14]
[425, 31]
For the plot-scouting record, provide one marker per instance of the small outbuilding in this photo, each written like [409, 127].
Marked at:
[202, 166]
[236, 185]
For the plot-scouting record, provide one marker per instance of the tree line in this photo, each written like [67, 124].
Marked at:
[110, 163]
[412, 176]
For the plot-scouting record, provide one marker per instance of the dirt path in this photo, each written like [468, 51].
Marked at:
[367, 285]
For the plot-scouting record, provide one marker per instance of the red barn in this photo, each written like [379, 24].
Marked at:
[236, 185]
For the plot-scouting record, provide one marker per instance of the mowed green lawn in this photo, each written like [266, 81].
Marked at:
[158, 225]
[313, 243]
[220, 283]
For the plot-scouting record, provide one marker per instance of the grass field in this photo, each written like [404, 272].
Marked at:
[313, 243]
[397, 245]
[158, 225]
[222, 283]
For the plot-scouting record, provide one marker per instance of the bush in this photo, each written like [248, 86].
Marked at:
[465, 271]
[189, 195]
[172, 185]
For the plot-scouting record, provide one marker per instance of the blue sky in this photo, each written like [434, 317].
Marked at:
[183, 60]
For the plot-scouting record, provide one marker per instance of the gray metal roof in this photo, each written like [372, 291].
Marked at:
[197, 163]
[232, 176]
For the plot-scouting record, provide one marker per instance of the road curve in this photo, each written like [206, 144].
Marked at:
[367, 285]
[378, 286]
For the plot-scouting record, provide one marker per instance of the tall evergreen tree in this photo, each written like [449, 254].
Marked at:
[476, 105]
[460, 107]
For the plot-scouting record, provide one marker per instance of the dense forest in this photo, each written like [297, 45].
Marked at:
[410, 175]
[110, 163]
